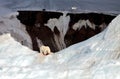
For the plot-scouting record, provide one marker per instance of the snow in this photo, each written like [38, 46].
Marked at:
[6, 11]
[7, 43]
[113, 30]
[95, 58]
[99, 6]
[10, 24]
[83, 23]
[62, 26]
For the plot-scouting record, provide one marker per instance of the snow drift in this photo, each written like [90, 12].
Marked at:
[95, 58]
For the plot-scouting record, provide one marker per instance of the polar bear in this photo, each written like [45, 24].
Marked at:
[45, 50]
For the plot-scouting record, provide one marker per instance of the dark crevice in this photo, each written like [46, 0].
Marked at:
[35, 20]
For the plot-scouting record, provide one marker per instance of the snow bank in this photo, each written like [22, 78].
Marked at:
[12, 53]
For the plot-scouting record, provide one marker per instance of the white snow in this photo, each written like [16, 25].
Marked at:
[99, 6]
[95, 58]
[83, 23]
[13, 52]
[10, 24]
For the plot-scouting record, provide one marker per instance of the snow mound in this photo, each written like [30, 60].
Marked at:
[12, 53]
[114, 29]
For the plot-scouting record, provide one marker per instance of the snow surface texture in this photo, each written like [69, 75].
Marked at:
[105, 6]
[95, 58]
[10, 24]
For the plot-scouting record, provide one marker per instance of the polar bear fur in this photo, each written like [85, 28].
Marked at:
[45, 50]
